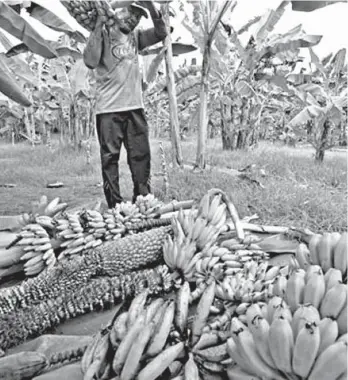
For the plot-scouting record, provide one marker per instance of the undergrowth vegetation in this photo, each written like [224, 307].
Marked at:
[283, 187]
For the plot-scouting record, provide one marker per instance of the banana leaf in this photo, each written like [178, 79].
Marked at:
[310, 6]
[38, 11]
[9, 87]
[273, 18]
[177, 47]
[284, 44]
[21, 29]
[154, 65]
[60, 50]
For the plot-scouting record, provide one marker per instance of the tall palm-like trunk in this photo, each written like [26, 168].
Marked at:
[177, 158]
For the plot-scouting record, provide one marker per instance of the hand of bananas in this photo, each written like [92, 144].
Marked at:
[275, 343]
[152, 339]
[328, 250]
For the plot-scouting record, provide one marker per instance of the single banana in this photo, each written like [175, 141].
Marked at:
[342, 320]
[315, 289]
[302, 256]
[295, 288]
[313, 248]
[202, 312]
[214, 204]
[304, 314]
[161, 334]
[332, 277]
[136, 307]
[273, 303]
[182, 306]
[153, 308]
[252, 312]
[279, 286]
[125, 345]
[334, 301]
[157, 366]
[119, 329]
[191, 370]
[132, 363]
[331, 363]
[306, 349]
[340, 254]
[282, 311]
[281, 344]
[245, 344]
[203, 209]
[259, 327]
[328, 329]
[325, 251]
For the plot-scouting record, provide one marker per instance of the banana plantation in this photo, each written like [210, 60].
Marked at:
[242, 92]
[186, 289]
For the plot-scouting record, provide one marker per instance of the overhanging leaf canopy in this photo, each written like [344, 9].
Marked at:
[9, 87]
[14, 24]
[310, 6]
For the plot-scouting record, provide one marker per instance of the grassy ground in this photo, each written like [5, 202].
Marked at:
[295, 191]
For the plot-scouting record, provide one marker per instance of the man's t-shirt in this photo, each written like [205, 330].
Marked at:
[119, 80]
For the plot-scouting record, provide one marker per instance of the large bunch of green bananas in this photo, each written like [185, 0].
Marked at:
[328, 250]
[326, 292]
[275, 343]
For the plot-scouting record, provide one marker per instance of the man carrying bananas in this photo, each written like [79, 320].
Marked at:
[120, 118]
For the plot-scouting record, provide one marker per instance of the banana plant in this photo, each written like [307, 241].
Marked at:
[323, 105]
[256, 70]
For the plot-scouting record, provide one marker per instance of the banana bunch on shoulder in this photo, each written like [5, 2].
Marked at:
[281, 345]
[329, 250]
[86, 12]
[326, 292]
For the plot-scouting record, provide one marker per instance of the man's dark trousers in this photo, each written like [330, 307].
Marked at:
[131, 129]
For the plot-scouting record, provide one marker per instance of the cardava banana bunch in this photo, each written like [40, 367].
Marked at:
[284, 345]
[329, 250]
[34, 245]
[137, 344]
[86, 12]
[326, 292]
[249, 285]
[193, 233]
[148, 204]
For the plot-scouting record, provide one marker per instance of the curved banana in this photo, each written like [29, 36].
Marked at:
[331, 363]
[281, 344]
[313, 248]
[306, 349]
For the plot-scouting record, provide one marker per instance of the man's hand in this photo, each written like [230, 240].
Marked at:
[151, 7]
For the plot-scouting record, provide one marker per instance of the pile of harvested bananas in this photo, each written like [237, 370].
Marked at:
[233, 314]
[157, 338]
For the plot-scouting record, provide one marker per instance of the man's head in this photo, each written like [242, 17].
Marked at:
[129, 18]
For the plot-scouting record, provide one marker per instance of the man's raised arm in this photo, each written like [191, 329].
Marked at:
[156, 34]
[94, 48]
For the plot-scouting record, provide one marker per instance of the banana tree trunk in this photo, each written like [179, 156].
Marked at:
[177, 158]
[324, 143]
[203, 110]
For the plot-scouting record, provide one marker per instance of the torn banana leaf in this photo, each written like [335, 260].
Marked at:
[9, 87]
[14, 24]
